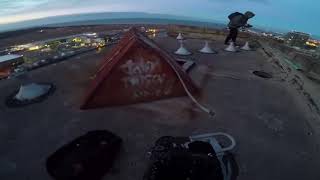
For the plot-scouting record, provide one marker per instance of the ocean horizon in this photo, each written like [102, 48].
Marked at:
[118, 18]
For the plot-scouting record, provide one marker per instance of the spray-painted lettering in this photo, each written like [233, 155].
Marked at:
[143, 80]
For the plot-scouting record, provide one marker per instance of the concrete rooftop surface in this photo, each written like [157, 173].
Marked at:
[268, 119]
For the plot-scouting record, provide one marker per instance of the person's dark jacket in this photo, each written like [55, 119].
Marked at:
[240, 20]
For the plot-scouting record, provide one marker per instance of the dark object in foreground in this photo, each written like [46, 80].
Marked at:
[12, 102]
[262, 74]
[171, 159]
[88, 157]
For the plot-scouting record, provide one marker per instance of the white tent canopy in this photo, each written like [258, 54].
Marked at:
[182, 50]
[32, 91]
[231, 48]
[246, 47]
[207, 49]
[180, 37]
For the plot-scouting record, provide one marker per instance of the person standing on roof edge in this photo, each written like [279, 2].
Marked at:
[237, 20]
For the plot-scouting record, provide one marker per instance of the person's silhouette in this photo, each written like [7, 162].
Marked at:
[237, 20]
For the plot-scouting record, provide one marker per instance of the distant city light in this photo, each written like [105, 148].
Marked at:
[151, 31]
[77, 40]
[90, 34]
[311, 44]
[34, 48]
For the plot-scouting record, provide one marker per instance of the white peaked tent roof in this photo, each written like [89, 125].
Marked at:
[231, 48]
[180, 37]
[246, 47]
[207, 49]
[32, 91]
[182, 50]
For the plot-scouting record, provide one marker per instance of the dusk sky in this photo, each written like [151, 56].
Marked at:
[300, 15]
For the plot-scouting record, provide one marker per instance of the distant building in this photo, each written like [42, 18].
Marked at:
[85, 40]
[253, 32]
[298, 39]
[91, 35]
[10, 59]
[267, 34]
[8, 62]
[143, 29]
[100, 42]
[279, 38]
[312, 44]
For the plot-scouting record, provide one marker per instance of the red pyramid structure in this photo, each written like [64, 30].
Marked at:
[136, 70]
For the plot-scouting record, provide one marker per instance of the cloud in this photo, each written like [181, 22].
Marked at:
[9, 7]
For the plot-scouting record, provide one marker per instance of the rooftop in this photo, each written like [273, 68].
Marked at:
[267, 117]
[9, 57]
